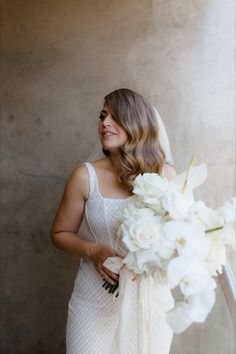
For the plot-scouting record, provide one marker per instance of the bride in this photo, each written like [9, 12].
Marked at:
[134, 141]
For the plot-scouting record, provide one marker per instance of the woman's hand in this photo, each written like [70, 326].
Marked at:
[99, 254]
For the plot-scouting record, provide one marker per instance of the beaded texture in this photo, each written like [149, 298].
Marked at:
[92, 311]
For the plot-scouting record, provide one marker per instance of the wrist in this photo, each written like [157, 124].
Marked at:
[90, 251]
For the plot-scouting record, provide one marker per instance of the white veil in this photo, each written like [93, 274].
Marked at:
[164, 140]
[97, 153]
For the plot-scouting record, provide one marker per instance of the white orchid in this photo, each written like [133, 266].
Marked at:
[178, 318]
[190, 274]
[195, 309]
[187, 238]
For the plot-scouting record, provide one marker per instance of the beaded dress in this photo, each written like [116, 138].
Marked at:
[92, 311]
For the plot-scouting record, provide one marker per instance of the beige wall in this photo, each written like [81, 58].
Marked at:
[59, 58]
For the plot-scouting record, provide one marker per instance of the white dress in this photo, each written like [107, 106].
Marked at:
[92, 312]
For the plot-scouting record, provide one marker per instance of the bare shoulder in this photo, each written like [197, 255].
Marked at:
[78, 181]
[102, 163]
[170, 172]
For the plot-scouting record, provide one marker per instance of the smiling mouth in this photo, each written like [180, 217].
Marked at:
[108, 134]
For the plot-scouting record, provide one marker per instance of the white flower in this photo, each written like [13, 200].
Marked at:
[200, 304]
[187, 238]
[228, 212]
[142, 261]
[132, 207]
[196, 176]
[209, 217]
[150, 187]
[189, 273]
[141, 230]
[166, 248]
[195, 309]
[217, 253]
[178, 318]
[178, 204]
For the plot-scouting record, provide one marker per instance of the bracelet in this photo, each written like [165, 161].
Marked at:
[91, 249]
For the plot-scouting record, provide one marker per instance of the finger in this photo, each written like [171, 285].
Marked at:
[107, 278]
[111, 274]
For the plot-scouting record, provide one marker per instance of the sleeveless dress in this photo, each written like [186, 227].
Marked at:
[92, 311]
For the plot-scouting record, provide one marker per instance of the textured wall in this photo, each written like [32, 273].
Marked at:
[58, 60]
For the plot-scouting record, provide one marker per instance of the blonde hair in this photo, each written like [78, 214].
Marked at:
[142, 151]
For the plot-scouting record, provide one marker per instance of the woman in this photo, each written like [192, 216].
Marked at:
[92, 203]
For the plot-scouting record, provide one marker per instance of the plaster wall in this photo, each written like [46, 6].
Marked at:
[58, 59]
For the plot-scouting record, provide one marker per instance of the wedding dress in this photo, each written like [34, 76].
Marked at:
[92, 311]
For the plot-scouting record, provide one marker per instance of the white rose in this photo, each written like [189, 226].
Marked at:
[179, 205]
[150, 187]
[141, 230]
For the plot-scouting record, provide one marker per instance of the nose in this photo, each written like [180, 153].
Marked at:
[106, 120]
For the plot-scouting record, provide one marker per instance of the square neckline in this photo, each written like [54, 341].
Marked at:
[98, 189]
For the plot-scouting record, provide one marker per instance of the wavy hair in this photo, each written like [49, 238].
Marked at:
[142, 151]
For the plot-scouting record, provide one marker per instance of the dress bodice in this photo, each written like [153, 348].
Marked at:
[101, 214]
[99, 223]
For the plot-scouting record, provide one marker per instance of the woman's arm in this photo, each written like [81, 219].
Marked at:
[69, 216]
[67, 222]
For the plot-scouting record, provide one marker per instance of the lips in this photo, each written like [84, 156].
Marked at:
[108, 133]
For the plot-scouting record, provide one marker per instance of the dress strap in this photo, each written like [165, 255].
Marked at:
[93, 183]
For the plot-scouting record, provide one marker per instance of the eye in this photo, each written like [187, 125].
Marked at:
[102, 115]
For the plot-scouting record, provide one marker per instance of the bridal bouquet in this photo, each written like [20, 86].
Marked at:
[176, 241]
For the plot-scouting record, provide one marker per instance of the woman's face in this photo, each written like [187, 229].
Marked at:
[111, 134]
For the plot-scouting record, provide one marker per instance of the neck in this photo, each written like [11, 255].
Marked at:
[114, 160]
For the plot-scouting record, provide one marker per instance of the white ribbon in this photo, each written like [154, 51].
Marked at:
[125, 305]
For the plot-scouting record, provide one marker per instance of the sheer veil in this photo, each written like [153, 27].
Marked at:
[97, 153]
[164, 140]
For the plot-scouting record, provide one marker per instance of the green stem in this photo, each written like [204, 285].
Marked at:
[187, 173]
[214, 229]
